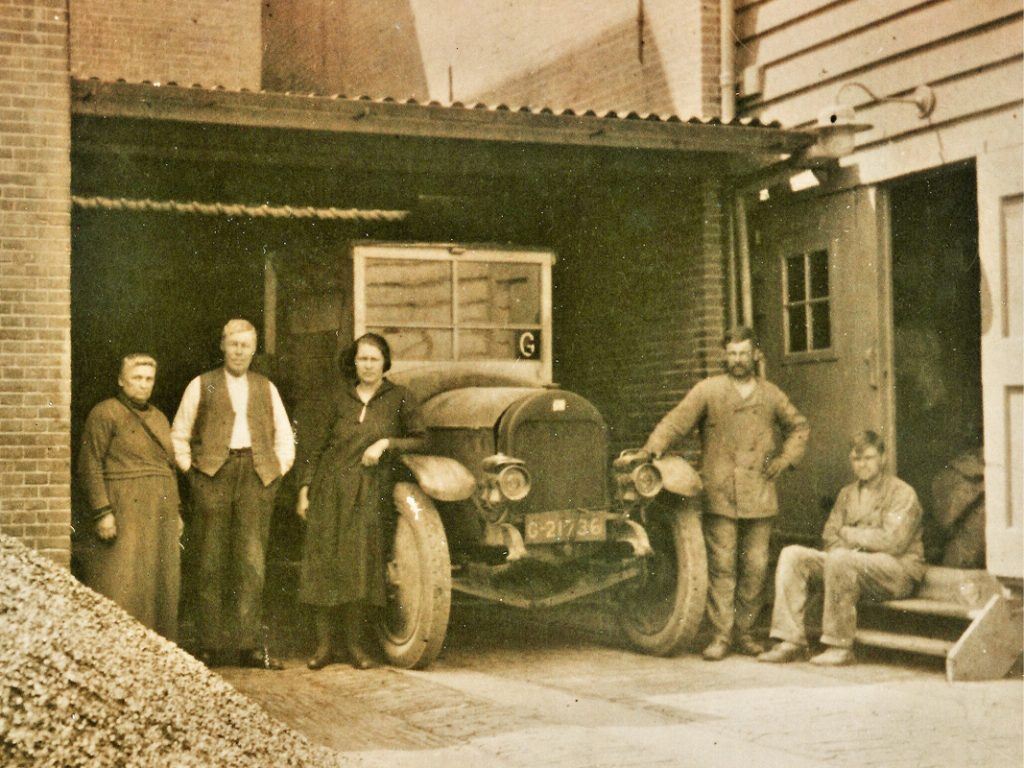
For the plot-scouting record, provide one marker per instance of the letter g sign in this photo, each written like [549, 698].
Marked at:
[528, 345]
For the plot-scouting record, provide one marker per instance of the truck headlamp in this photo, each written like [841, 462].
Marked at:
[647, 480]
[636, 477]
[508, 476]
[514, 482]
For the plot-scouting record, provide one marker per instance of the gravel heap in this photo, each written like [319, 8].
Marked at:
[83, 683]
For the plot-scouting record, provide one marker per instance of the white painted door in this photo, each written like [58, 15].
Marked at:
[1000, 201]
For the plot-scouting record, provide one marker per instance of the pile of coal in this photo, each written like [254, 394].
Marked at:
[84, 684]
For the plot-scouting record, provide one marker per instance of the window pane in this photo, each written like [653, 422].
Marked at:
[819, 274]
[797, 328]
[408, 291]
[499, 344]
[795, 278]
[417, 343]
[496, 292]
[822, 327]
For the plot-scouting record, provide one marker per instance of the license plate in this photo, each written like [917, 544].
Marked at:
[548, 527]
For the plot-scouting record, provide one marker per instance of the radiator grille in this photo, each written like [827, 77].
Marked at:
[567, 462]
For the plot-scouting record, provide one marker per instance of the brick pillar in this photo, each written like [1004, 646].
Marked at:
[687, 35]
[35, 273]
[711, 275]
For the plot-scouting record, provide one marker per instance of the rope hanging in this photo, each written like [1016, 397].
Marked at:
[237, 210]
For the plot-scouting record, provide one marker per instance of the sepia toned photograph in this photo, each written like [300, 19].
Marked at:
[579, 383]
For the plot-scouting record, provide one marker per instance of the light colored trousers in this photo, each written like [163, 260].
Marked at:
[737, 571]
[846, 576]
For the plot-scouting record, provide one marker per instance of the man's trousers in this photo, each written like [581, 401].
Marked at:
[737, 570]
[233, 509]
[846, 576]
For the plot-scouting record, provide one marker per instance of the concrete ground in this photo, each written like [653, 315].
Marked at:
[508, 692]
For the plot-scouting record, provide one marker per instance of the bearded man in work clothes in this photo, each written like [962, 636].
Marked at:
[736, 413]
[233, 439]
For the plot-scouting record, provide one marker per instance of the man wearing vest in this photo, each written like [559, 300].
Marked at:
[233, 440]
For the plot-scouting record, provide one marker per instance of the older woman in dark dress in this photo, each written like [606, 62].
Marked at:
[344, 497]
[129, 551]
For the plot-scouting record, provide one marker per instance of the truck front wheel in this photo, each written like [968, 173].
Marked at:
[419, 583]
[661, 610]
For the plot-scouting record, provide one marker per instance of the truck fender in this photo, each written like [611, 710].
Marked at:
[678, 476]
[440, 477]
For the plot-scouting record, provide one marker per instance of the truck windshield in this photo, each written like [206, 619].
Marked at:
[455, 308]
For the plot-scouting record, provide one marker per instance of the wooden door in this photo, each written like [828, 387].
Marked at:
[820, 308]
[1002, 356]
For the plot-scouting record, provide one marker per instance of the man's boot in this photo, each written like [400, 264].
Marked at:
[783, 653]
[716, 650]
[834, 656]
[748, 646]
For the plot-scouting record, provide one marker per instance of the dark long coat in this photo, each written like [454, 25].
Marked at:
[349, 504]
[122, 468]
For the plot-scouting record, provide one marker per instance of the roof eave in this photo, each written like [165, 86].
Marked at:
[364, 116]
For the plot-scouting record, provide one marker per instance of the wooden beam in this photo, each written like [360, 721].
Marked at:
[392, 156]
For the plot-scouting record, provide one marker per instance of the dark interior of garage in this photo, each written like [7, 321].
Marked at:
[626, 335]
[937, 336]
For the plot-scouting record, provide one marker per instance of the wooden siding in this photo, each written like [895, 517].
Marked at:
[970, 53]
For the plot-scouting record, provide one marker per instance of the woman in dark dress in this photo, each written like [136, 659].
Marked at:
[345, 498]
[130, 548]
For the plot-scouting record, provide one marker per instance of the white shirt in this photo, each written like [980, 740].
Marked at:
[238, 392]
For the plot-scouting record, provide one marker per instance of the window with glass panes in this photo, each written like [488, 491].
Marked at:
[806, 302]
[455, 309]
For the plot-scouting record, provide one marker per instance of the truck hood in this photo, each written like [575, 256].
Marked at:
[472, 407]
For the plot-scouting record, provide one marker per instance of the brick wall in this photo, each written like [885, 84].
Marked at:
[600, 74]
[343, 46]
[687, 32]
[639, 310]
[35, 302]
[583, 54]
[212, 42]
[678, 74]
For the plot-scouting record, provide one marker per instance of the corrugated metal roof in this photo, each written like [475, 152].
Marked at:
[412, 118]
[609, 114]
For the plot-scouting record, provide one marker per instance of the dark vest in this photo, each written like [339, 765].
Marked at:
[215, 419]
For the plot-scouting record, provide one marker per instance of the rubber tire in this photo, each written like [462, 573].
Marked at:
[425, 589]
[674, 529]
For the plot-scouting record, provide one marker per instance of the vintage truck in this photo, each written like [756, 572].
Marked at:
[517, 499]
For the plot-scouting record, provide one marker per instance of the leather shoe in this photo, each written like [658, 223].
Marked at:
[783, 653]
[256, 659]
[320, 659]
[716, 651]
[834, 657]
[748, 646]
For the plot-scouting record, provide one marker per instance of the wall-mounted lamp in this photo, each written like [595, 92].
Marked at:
[835, 132]
[923, 97]
[836, 128]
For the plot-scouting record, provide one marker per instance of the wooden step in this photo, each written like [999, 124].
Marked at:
[925, 607]
[911, 643]
[954, 585]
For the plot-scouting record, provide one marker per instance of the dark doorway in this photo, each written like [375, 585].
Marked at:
[936, 335]
[158, 283]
